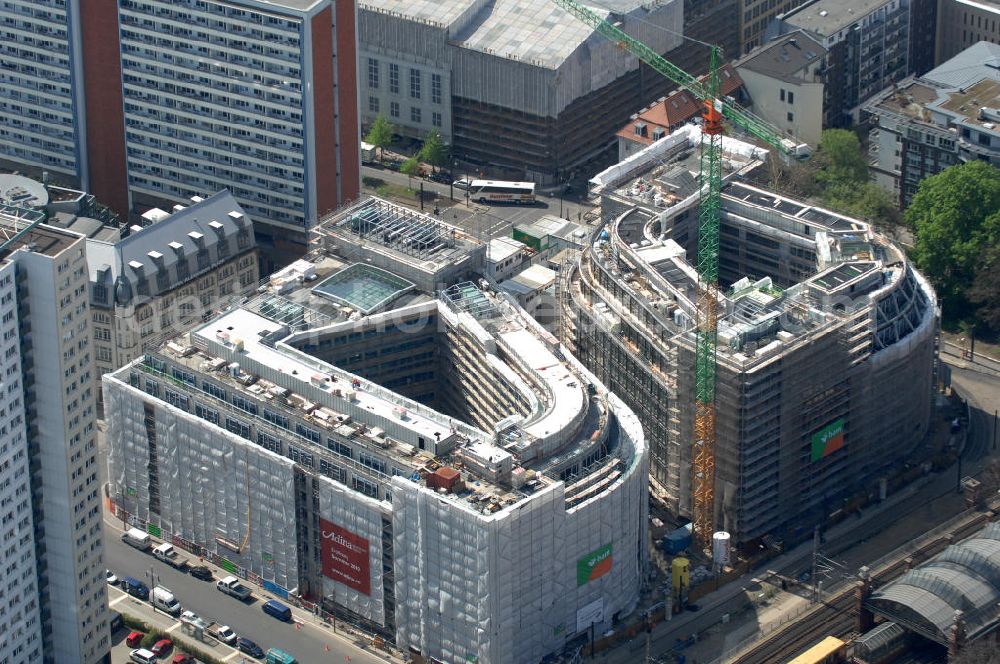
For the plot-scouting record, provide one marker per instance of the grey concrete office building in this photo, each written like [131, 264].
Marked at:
[516, 86]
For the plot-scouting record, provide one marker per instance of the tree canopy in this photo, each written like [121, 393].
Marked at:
[434, 150]
[985, 291]
[955, 217]
[410, 167]
[380, 134]
[842, 174]
[840, 158]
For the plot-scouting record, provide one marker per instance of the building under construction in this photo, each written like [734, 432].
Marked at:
[826, 347]
[432, 464]
[519, 87]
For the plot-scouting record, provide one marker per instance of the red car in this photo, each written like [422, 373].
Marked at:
[134, 639]
[162, 647]
[181, 658]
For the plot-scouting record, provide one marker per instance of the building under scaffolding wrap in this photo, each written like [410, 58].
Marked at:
[438, 467]
[516, 86]
[826, 347]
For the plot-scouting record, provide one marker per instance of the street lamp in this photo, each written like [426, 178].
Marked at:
[152, 585]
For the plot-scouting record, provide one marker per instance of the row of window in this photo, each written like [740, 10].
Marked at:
[416, 114]
[416, 80]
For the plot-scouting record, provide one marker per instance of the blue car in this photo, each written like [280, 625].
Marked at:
[135, 587]
[247, 646]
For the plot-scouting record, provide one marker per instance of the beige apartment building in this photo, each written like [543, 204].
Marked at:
[164, 277]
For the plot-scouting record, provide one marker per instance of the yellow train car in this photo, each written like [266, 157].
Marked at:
[830, 650]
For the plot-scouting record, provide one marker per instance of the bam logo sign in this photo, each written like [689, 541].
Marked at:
[827, 440]
[593, 566]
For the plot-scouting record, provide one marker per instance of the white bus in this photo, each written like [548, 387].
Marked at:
[497, 191]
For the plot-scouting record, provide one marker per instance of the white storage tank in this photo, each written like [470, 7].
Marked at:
[720, 548]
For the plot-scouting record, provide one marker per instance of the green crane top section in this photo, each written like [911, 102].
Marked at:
[736, 114]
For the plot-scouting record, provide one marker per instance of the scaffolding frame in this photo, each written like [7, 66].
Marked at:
[407, 231]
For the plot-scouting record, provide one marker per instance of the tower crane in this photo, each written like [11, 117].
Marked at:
[714, 110]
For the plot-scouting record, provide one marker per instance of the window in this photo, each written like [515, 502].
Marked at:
[307, 433]
[300, 456]
[364, 486]
[372, 73]
[415, 83]
[436, 88]
[213, 389]
[782, 94]
[269, 442]
[371, 461]
[791, 116]
[373, 104]
[238, 427]
[206, 413]
[394, 109]
[436, 119]
[414, 114]
[791, 97]
[339, 448]
[393, 78]
[175, 399]
[275, 418]
[244, 404]
[332, 471]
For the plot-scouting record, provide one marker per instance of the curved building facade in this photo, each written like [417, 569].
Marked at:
[440, 469]
[826, 350]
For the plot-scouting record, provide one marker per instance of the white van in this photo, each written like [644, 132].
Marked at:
[164, 600]
[137, 538]
[142, 656]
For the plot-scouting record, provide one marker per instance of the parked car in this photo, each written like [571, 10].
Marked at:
[232, 586]
[162, 647]
[223, 633]
[137, 538]
[247, 646]
[201, 572]
[112, 579]
[276, 609]
[116, 622]
[168, 554]
[462, 183]
[135, 588]
[182, 658]
[134, 639]
[275, 656]
[142, 656]
[189, 616]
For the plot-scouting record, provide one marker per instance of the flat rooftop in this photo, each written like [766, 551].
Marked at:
[249, 327]
[433, 12]
[38, 238]
[909, 100]
[966, 102]
[827, 17]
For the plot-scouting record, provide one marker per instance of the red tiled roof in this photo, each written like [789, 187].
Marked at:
[677, 108]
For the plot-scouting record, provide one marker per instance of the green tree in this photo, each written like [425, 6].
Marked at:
[840, 156]
[380, 135]
[411, 167]
[985, 290]
[955, 217]
[434, 151]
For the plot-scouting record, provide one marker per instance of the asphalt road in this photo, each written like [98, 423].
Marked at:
[308, 644]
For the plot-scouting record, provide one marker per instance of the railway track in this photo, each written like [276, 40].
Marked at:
[837, 616]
